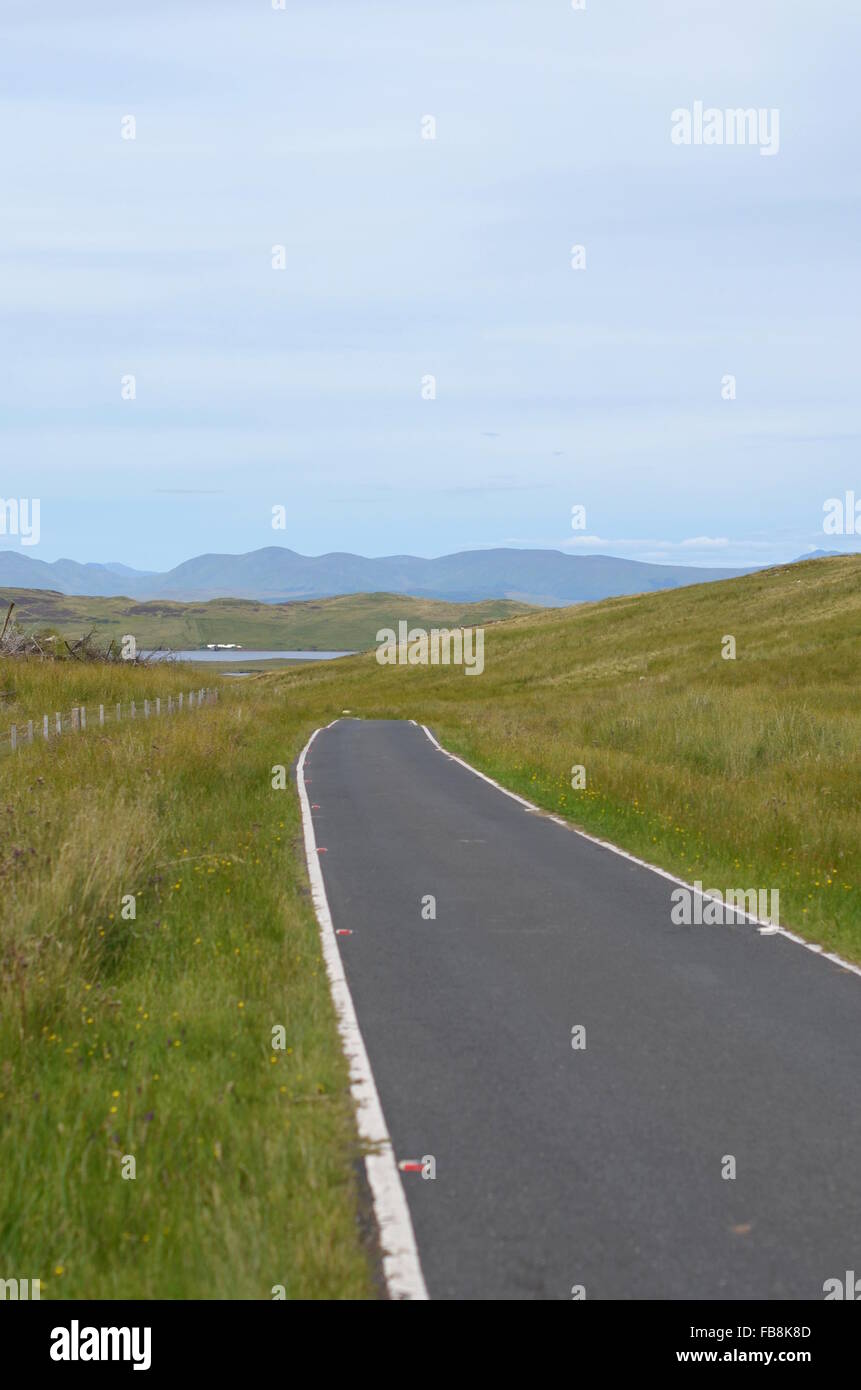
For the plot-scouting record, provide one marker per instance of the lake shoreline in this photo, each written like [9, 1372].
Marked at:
[249, 656]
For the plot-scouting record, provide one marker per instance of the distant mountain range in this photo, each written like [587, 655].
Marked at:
[277, 575]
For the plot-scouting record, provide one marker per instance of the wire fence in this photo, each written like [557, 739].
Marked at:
[80, 718]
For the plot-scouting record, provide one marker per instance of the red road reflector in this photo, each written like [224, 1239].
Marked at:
[314, 806]
[322, 851]
[343, 931]
[411, 1165]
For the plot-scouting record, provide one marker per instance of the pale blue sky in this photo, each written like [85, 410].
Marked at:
[407, 256]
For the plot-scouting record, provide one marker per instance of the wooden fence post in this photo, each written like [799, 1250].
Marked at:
[59, 722]
[83, 716]
[29, 731]
[101, 716]
[44, 726]
[13, 737]
[119, 712]
[75, 724]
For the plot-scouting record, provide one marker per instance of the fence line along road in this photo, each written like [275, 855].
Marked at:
[75, 721]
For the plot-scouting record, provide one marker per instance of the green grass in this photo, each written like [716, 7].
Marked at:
[348, 622]
[30, 688]
[153, 1037]
[739, 773]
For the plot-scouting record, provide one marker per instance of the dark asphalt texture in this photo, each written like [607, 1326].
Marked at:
[599, 1167]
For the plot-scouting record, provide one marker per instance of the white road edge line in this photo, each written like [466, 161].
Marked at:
[401, 1266]
[766, 928]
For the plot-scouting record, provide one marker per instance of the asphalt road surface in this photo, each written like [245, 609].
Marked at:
[599, 1167]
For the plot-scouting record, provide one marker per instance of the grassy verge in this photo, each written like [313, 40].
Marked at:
[153, 1037]
[741, 773]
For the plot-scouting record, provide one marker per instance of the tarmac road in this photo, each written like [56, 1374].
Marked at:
[598, 1167]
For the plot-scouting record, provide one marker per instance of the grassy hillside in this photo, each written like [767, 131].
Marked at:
[348, 623]
[152, 1037]
[737, 772]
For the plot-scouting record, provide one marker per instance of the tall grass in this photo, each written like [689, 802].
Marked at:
[31, 687]
[152, 1037]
